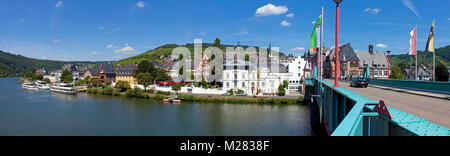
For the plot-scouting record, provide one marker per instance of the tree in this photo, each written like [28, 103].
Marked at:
[217, 43]
[397, 73]
[94, 83]
[181, 71]
[285, 84]
[176, 87]
[122, 85]
[28, 74]
[66, 76]
[247, 57]
[281, 91]
[37, 77]
[145, 79]
[47, 80]
[145, 67]
[442, 73]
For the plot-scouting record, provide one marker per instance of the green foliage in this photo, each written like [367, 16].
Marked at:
[281, 91]
[146, 67]
[145, 79]
[107, 91]
[231, 91]
[442, 57]
[94, 83]
[163, 93]
[397, 73]
[47, 80]
[176, 87]
[136, 92]
[66, 76]
[29, 74]
[122, 85]
[442, 73]
[12, 65]
[286, 84]
[239, 91]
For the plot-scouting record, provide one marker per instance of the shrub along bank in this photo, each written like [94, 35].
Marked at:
[137, 93]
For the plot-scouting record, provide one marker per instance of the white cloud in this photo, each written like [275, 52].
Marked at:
[140, 4]
[411, 6]
[59, 4]
[56, 41]
[95, 53]
[291, 15]
[271, 9]
[448, 19]
[126, 50]
[22, 20]
[101, 28]
[373, 11]
[285, 23]
[313, 22]
[202, 33]
[298, 49]
[381, 45]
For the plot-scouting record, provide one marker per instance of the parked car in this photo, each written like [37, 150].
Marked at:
[359, 82]
[226, 94]
[241, 94]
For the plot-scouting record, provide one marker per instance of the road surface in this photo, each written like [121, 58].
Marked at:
[431, 106]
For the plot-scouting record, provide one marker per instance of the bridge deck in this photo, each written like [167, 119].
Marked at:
[431, 106]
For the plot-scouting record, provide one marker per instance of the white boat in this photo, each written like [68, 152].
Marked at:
[30, 87]
[64, 88]
[43, 86]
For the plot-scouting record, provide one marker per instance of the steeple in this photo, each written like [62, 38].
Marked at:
[270, 49]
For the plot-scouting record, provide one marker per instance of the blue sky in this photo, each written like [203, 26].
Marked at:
[97, 30]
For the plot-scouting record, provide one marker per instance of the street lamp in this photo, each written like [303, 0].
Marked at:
[336, 68]
[389, 65]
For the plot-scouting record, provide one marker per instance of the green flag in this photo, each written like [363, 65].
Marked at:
[313, 41]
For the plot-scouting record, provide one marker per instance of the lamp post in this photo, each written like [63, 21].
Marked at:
[389, 65]
[336, 68]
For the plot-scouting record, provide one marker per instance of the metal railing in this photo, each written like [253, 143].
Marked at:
[346, 113]
[443, 87]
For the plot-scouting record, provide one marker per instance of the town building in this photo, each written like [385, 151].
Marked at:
[107, 73]
[375, 62]
[297, 68]
[127, 73]
[423, 73]
[348, 62]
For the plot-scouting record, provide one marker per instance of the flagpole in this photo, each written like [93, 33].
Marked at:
[321, 51]
[434, 53]
[416, 53]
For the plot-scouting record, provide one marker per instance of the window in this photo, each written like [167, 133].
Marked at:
[243, 84]
[228, 75]
[228, 84]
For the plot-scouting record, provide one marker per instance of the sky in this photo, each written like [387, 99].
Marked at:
[108, 30]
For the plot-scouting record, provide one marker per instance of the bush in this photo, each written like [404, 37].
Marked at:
[107, 91]
[163, 93]
[92, 90]
[116, 93]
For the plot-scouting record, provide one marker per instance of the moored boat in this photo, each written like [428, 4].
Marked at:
[30, 87]
[64, 88]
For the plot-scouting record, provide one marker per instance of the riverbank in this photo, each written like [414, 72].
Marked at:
[136, 93]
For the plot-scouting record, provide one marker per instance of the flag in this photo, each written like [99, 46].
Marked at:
[313, 41]
[430, 43]
[412, 42]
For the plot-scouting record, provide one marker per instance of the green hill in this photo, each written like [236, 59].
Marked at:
[442, 56]
[166, 50]
[12, 65]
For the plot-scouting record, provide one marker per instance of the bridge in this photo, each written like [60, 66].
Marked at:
[385, 108]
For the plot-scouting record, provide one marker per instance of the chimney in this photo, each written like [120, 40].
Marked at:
[371, 49]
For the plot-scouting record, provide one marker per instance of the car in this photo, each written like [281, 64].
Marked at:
[359, 82]
[226, 94]
[241, 94]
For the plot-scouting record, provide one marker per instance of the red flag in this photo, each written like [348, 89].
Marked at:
[412, 42]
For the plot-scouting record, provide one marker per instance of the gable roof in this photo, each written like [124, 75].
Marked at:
[375, 60]
[108, 69]
[346, 53]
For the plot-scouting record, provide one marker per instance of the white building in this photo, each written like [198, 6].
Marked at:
[296, 68]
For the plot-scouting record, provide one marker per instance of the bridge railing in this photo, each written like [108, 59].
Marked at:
[443, 87]
[346, 113]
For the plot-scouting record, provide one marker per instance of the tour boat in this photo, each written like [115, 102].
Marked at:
[42, 86]
[64, 88]
[30, 87]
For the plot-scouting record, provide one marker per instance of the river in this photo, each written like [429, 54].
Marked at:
[48, 113]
